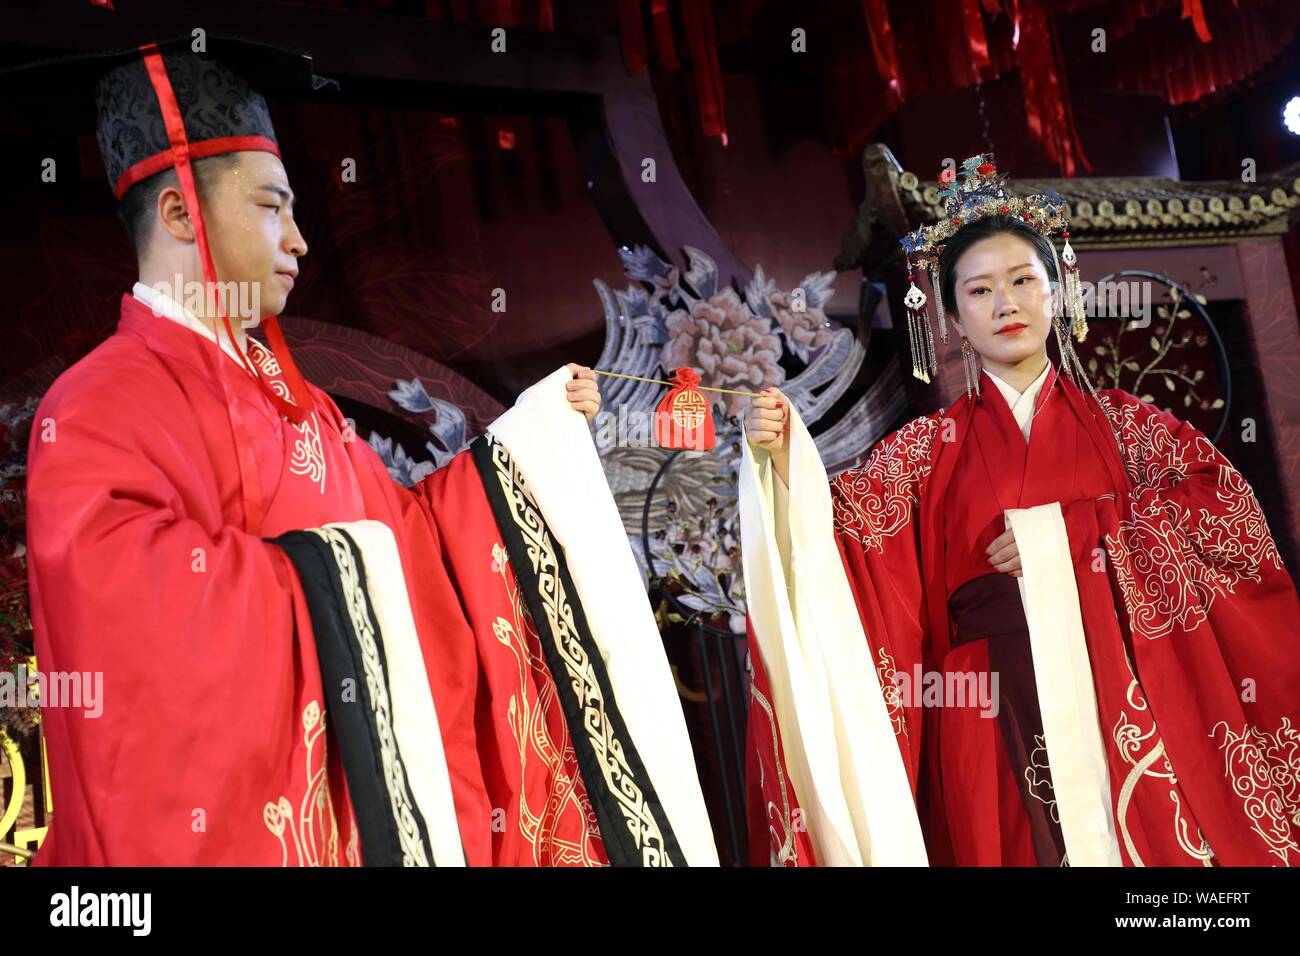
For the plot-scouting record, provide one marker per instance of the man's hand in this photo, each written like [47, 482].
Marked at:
[584, 395]
[1004, 555]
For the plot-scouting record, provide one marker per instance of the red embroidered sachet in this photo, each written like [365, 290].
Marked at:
[684, 419]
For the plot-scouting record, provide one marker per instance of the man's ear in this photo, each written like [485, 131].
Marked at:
[174, 215]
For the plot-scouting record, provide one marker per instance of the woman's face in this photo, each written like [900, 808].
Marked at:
[1004, 299]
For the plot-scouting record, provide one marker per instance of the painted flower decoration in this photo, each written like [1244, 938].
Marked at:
[799, 312]
[729, 344]
[412, 396]
[401, 467]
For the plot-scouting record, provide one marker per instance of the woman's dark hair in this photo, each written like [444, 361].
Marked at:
[967, 236]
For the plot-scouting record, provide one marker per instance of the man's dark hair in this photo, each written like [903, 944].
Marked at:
[967, 236]
[138, 206]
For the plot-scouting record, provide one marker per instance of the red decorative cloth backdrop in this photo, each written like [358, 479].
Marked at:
[876, 53]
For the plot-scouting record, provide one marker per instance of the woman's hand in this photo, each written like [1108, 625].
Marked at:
[584, 395]
[1004, 555]
[766, 425]
[768, 420]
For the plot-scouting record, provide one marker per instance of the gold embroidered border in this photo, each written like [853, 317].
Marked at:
[787, 851]
[278, 814]
[608, 748]
[528, 723]
[873, 503]
[413, 852]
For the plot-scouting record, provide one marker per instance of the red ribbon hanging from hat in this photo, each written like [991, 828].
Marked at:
[297, 413]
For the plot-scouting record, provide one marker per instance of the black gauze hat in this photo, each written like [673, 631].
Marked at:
[161, 106]
[217, 92]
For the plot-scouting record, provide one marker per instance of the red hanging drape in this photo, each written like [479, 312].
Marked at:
[878, 52]
[875, 53]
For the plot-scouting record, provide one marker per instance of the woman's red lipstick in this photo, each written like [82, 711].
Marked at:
[1012, 329]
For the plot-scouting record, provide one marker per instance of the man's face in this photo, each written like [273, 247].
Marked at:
[248, 212]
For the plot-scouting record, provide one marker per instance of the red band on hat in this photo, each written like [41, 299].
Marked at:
[156, 163]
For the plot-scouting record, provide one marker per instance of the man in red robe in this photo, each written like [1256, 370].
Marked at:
[162, 463]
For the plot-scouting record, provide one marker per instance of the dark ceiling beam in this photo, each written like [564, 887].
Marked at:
[342, 43]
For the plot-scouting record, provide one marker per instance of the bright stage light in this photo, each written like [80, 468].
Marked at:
[1291, 115]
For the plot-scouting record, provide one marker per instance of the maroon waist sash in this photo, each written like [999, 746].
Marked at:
[989, 608]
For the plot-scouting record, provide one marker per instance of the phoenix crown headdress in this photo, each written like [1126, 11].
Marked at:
[973, 192]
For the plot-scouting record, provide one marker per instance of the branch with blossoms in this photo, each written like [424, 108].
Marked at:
[1169, 336]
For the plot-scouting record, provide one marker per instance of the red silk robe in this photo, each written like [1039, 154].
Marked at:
[212, 744]
[1188, 615]
[776, 834]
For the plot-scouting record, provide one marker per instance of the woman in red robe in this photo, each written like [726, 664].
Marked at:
[1083, 636]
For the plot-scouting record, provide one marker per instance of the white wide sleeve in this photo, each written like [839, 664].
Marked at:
[835, 729]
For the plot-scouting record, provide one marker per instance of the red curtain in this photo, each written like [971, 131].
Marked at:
[881, 51]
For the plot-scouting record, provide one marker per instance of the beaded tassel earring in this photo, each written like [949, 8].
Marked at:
[970, 369]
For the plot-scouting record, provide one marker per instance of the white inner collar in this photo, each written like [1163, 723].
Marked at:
[1022, 403]
[163, 304]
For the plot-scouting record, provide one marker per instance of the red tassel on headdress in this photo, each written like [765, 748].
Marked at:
[684, 419]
